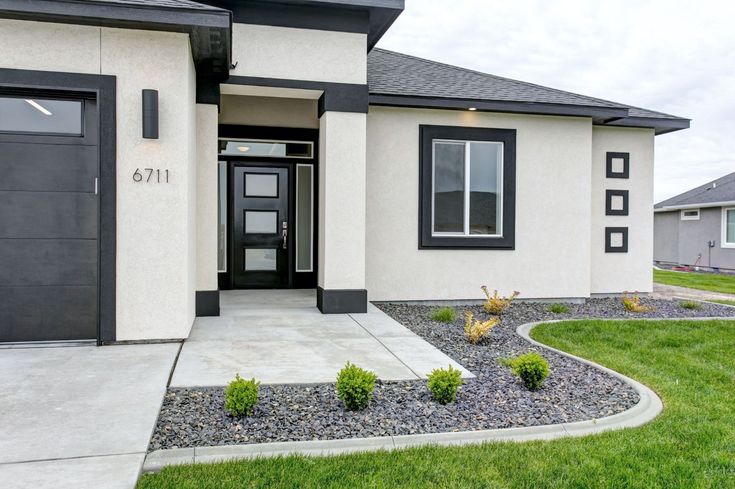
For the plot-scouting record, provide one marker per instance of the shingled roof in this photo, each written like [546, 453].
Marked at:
[401, 79]
[718, 191]
[180, 4]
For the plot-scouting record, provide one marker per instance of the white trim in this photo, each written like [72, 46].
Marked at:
[467, 189]
[704, 205]
[684, 217]
[724, 243]
[311, 238]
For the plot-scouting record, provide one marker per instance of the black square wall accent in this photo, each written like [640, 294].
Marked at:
[613, 161]
[616, 240]
[616, 202]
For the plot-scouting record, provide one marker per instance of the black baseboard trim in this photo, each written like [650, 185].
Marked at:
[341, 301]
[207, 303]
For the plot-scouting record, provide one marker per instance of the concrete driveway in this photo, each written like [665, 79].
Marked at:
[79, 417]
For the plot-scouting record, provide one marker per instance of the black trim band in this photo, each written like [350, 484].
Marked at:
[207, 303]
[336, 97]
[341, 301]
[104, 89]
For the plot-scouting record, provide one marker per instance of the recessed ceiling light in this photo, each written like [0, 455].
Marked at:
[473, 109]
[243, 149]
[38, 107]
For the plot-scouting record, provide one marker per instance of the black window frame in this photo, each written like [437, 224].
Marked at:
[609, 248]
[609, 172]
[609, 211]
[429, 133]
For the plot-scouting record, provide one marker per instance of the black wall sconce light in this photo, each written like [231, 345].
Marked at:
[150, 114]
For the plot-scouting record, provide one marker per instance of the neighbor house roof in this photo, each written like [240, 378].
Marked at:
[713, 194]
[403, 80]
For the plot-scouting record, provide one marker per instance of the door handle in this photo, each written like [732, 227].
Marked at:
[285, 238]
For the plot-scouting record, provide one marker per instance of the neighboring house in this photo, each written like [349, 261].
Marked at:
[698, 226]
[155, 152]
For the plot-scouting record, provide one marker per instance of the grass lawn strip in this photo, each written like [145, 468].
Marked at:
[711, 282]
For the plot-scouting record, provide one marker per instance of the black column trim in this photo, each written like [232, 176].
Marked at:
[207, 303]
[104, 89]
[336, 97]
[341, 301]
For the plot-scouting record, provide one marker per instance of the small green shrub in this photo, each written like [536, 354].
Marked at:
[444, 315]
[559, 308]
[694, 305]
[355, 386]
[532, 368]
[241, 396]
[443, 384]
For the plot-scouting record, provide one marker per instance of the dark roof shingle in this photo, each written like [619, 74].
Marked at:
[720, 190]
[391, 73]
[181, 4]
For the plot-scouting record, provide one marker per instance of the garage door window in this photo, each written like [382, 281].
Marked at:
[41, 116]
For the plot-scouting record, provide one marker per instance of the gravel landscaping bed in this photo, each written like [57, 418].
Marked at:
[573, 391]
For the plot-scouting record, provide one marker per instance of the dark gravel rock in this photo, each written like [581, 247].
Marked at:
[494, 399]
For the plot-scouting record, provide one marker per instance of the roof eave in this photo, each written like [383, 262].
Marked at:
[660, 125]
[597, 113]
[702, 205]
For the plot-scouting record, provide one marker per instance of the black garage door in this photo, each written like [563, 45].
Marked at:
[49, 169]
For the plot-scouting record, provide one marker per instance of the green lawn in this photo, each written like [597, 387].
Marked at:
[695, 280]
[691, 364]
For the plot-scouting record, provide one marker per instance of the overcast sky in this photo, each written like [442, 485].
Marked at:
[671, 56]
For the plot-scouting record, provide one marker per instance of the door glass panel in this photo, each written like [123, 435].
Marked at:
[260, 260]
[261, 185]
[41, 115]
[485, 187]
[268, 149]
[222, 218]
[261, 222]
[304, 217]
[448, 187]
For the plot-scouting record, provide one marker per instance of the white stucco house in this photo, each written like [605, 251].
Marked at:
[155, 152]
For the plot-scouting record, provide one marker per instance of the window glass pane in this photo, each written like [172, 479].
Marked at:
[485, 187]
[260, 260]
[261, 185]
[222, 218]
[268, 149]
[304, 217]
[449, 187]
[261, 222]
[731, 226]
[41, 115]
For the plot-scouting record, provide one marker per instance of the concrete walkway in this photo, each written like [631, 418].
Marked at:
[661, 291]
[280, 337]
[79, 417]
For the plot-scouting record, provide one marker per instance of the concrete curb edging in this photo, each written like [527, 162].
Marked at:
[648, 407]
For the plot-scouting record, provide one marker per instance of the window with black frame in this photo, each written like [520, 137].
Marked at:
[467, 187]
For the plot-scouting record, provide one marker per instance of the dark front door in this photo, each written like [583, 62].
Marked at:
[260, 228]
[49, 170]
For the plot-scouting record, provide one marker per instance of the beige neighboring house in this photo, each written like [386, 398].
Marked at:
[156, 152]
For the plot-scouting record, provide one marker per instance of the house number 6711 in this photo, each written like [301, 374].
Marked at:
[150, 175]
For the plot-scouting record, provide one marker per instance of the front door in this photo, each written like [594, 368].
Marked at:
[260, 227]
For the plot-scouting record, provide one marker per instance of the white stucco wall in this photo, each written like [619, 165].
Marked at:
[553, 184]
[207, 218]
[299, 54]
[631, 271]
[156, 228]
[342, 185]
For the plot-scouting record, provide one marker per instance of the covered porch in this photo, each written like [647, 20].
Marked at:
[280, 337]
